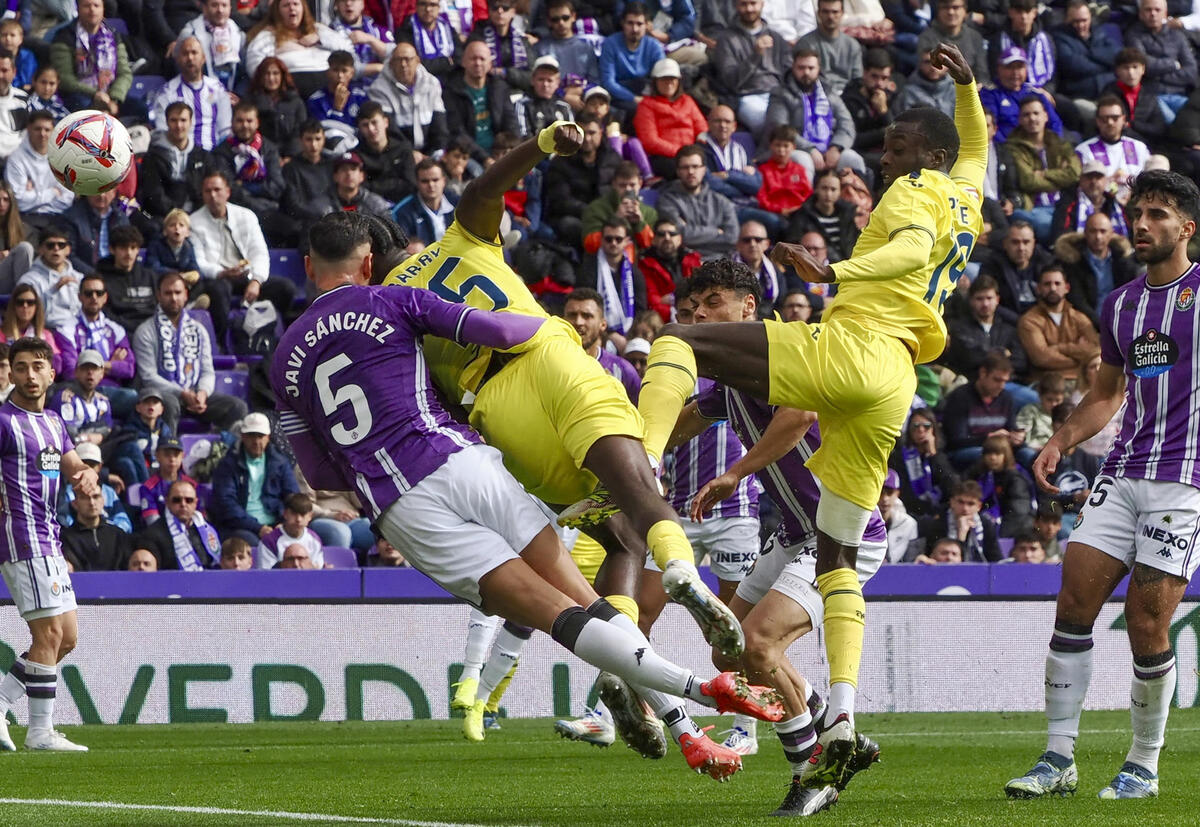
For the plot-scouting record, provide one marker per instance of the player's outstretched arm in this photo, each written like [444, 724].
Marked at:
[1095, 410]
[907, 251]
[482, 204]
[968, 117]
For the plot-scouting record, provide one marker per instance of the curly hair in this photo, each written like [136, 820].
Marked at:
[724, 274]
[1172, 188]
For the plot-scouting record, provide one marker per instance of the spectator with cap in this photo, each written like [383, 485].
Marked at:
[584, 310]
[151, 495]
[232, 251]
[387, 158]
[110, 484]
[90, 542]
[1095, 193]
[1003, 97]
[904, 541]
[182, 539]
[665, 265]
[132, 450]
[506, 43]
[431, 33]
[336, 104]
[637, 351]
[86, 413]
[479, 102]
[576, 58]
[667, 119]
[597, 101]
[174, 360]
[251, 483]
[543, 106]
[750, 59]
[627, 57]
[413, 100]
[348, 191]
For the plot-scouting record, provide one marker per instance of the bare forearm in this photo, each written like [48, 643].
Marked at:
[785, 430]
[1093, 413]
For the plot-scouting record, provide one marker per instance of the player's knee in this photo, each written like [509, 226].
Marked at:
[67, 644]
[1075, 608]
[760, 654]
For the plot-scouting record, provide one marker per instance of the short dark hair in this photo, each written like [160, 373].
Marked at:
[586, 294]
[5, 54]
[635, 9]
[559, 4]
[1019, 224]
[627, 169]
[55, 230]
[126, 235]
[1109, 100]
[1176, 190]
[370, 109]
[299, 503]
[936, 127]
[337, 235]
[783, 132]
[1027, 536]
[876, 58]
[311, 127]
[3, 351]
[1023, 5]
[168, 277]
[616, 222]
[424, 165]
[1052, 267]
[177, 106]
[217, 172]
[341, 59]
[724, 274]
[246, 105]
[982, 283]
[1032, 97]
[805, 51]
[666, 219]
[967, 488]
[39, 115]
[32, 345]
[689, 150]
[460, 144]
[1129, 55]
[585, 118]
[995, 360]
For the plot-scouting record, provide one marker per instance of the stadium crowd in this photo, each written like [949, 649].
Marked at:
[711, 128]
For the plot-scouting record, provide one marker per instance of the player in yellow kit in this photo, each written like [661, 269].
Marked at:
[855, 368]
[560, 421]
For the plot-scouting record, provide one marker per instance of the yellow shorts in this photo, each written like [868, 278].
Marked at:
[545, 409]
[588, 555]
[861, 385]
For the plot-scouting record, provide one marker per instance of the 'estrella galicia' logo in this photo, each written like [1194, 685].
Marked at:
[1151, 354]
[49, 461]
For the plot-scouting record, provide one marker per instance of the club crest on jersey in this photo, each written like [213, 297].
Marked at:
[1186, 299]
[49, 461]
[1151, 354]
[55, 589]
[1078, 520]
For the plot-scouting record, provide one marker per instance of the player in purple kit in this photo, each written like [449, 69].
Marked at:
[358, 406]
[1143, 515]
[777, 602]
[35, 452]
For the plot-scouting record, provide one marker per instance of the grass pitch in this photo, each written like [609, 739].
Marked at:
[937, 769]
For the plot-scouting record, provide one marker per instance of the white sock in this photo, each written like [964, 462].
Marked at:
[841, 702]
[506, 651]
[602, 710]
[1150, 700]
[12, 686]
[480, 629]
[1068, 673]
[40, 684]
[671, 711]
[747, 723]
[798, 737]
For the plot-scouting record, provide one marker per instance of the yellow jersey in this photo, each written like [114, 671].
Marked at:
[464, 268]
[947, 207]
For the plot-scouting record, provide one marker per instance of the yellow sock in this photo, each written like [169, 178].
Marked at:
[670, 379]
[668, 542]
[624, 604]
[493, 701]
[845, 619]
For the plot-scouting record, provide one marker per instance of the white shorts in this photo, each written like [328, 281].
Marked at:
[462, 521]
[1154, 523]
[40, 587]
[730, 543]
[792, 571]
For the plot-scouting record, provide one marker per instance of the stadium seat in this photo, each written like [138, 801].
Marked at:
[288, 263]
[1006, 545]
[203, 495]
[144, 87]
[340, 558]
[746, 141]
[221, 361]
[234, 383]
[117, 25]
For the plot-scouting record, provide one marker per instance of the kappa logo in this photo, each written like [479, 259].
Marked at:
[1164, 552]
[1186, 299]
[638, 653]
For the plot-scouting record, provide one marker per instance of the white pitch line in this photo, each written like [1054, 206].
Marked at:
[934, 734]
[225, 811]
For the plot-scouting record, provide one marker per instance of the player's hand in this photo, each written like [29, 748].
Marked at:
[568, 139]
[86, 483]
[715, 491]
[1044, 466]
[947, 56]
[784, 254]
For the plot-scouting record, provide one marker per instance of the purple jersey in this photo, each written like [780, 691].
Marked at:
[31, 451]
[354, 393]
[702, 459]
[787, 481]
[623, 372]
[1153, 334]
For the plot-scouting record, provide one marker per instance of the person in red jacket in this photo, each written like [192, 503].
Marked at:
[668, 120]
[785, 184]
[664, 265]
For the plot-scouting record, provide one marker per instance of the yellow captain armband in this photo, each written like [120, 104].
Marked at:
[546, 136]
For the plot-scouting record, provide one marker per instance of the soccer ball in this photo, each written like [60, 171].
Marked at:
[90, 152]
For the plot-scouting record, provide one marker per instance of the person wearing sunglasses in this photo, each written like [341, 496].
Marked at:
[25, 316]
[54, 279]
[182, 539]
[925, 473]
[665, 266]
[508, 45]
